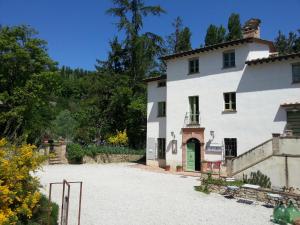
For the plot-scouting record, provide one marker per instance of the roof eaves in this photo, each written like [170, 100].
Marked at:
[273, 59]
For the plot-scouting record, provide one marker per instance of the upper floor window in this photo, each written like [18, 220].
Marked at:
[193, 66]
[228, 59]
[230, 101]
[230, 147]
[296, 73]
[161, 112]
[161, 84]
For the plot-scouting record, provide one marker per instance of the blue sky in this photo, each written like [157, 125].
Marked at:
[78, 31]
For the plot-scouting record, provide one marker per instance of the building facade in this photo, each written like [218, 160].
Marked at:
[218, 102]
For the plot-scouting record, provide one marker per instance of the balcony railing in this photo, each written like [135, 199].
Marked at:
[192, 119]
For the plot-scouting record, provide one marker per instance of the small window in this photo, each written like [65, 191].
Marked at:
[230, 147]
[193, 66]
[230, 101]
[296, 73]
[228, 59]
[161, 112]
[161, 148]
[161, 84]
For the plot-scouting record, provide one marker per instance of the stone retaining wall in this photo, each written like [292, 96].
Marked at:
[112, 158]
[258, 194]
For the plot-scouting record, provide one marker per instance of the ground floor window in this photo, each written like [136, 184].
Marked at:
[161, 148]
[230, 147]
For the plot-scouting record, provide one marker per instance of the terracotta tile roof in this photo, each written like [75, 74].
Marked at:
[221, 45]
[273, 58]
[286, 104]
[149, 79]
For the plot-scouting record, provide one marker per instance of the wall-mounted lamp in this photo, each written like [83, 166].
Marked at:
[173, 134]
[212, 134]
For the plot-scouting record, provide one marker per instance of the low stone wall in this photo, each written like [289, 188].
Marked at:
[112, 158]
[258, 194]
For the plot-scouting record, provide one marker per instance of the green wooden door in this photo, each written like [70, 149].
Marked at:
[293, 122]
[190, 156]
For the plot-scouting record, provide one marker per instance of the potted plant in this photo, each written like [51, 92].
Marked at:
[178, 168]
[167, 168]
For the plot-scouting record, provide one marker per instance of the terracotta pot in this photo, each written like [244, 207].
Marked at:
[167, 168]
[179, 169]
[297, 222]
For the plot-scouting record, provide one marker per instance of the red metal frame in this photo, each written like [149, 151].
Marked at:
[68, 184]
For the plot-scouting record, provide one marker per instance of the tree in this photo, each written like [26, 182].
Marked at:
[215, 35]
[234, 27]
[28, 83]
[180, 39]
[285, 45]
[130, 14]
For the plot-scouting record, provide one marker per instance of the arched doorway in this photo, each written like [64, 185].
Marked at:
[193, 155]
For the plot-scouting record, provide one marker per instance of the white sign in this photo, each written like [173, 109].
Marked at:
[214, 147]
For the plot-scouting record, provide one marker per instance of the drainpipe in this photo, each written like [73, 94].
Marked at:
[286, 172]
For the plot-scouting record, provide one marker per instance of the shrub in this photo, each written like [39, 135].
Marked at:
[93, 150]
[40, 214]
[75, 153]
[19, 195]
[258, 178]
[120, 139]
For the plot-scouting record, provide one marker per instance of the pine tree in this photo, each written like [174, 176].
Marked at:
[180, 39]
[234, 27]
[215, 35]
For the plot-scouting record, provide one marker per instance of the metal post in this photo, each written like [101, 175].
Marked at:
[62, 204]
[49, 203]
[80, 194]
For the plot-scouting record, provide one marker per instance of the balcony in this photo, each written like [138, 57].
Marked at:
[192, 119]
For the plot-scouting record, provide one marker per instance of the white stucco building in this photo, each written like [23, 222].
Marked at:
[219, 101]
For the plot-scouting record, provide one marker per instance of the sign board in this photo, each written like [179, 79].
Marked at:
[214, 148]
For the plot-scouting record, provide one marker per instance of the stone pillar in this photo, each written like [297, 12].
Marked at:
[275, 143]
[229, 167]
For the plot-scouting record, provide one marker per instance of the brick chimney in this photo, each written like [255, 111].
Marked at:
[251, 28]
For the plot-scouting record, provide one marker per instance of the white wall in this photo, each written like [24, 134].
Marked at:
[156, 126]
[260, 91]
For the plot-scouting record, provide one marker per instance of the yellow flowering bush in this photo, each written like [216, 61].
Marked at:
[19, 193]
[120, 139]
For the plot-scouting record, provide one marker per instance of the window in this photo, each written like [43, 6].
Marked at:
[161, 112]
[193, 66]
[230, 102]
[230, 147]
[296, 73]
[161, 148]
[194, 110]
[228, 59]
[161, 84]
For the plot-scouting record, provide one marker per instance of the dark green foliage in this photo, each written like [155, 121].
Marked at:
[234, 27]
[93, 150]
[257, 178]
[28, 84]
[75, 153]
[40, 214]
[287, 44]
[180, 39]
[215, 35]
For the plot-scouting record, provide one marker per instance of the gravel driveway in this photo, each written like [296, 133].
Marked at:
[120, 194]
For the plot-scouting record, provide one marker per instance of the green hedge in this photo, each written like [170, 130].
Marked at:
[93, 150]
[75, 152]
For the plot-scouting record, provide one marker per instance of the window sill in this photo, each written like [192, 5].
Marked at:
[229, 111]
[193, 73]
[161, 116]
[228, 67]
